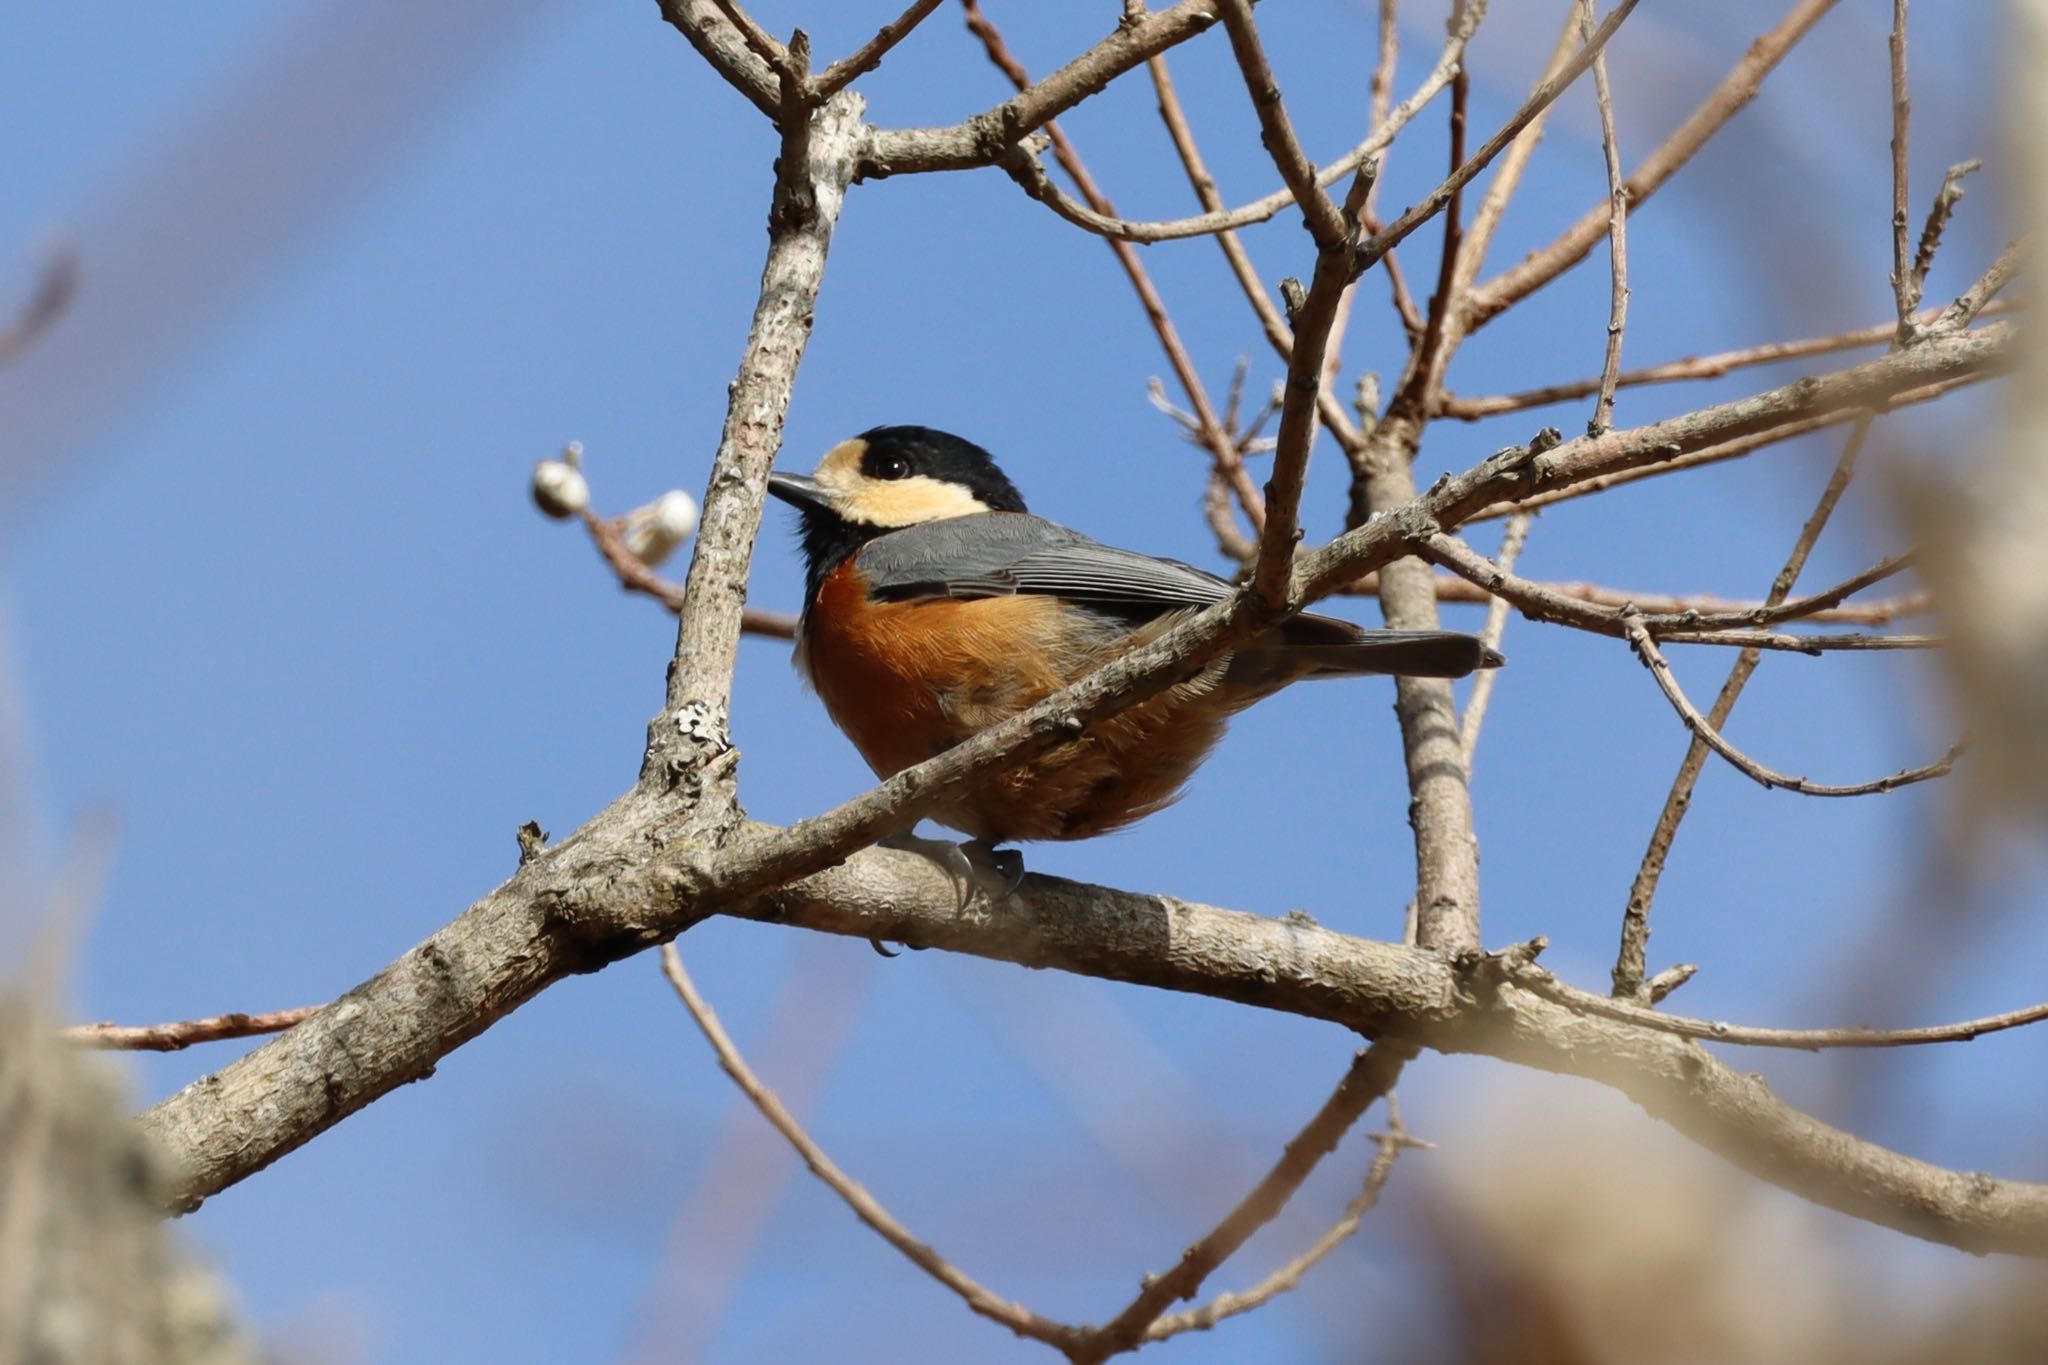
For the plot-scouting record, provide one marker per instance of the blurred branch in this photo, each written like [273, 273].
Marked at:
[865, 1206]
[1481, 696]
[1370, 1078]
[56, 281]
[1205, 1316]
[176, 1037]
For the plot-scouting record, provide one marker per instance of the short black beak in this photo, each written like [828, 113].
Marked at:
[799, 491]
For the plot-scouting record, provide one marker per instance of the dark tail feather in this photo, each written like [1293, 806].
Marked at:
[1408, 653]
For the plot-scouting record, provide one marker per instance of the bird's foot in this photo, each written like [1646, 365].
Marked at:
[979, 870]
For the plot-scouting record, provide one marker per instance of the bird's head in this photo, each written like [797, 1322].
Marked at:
[892, 477]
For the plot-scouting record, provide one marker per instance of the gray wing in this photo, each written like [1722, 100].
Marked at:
[1003, 554]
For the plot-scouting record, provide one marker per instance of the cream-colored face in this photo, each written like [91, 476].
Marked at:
[888, 502]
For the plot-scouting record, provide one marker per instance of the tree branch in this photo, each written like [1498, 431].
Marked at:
[641, 870]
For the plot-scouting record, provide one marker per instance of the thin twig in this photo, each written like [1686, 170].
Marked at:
[1507, 177]
[1707, 733]
[1976, 300]
[1278, 333]
[868, 55]
[1016, 1317]
[1511, 542]
[1617, 235]
[1712, 366]
[1543, 602]
[1425, 365]
[1945, 201]
[1276, 131]
[1799, 644]
[1631, 960]
[634, 576]
[763, 44]
[175, 1037]
[1390, 1144]
[1258, 211]
[1371, 1075]
[1727, 99]
[1905, 293]
[1209, 430]
[1541, 98]
[1543, 982]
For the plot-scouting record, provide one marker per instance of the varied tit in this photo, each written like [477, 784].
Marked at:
[935, 606]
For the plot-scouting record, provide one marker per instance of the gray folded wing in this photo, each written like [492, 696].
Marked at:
[1003, 554]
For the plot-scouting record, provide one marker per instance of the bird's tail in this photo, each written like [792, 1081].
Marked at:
[1408, 653]
[1325, 647]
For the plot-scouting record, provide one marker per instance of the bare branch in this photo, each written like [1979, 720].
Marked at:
[758, 40]
[1325, 224]
[1690, 367]
[812, 173]
[1706, 732]
[865, 1206]
[1541, 981]
[1735, 91]
[1974, 301]
[1258, 211]
[635, 576]
[1617, 234]
[1286, 1277]
[1507, 178]
[1511, 542]
[1371, 1076]
[868, 55]
[178, 1036]
[1540, 99]
[1734, 449]
[993, 136]
[1544, 602]
[1905, 289]
[1208, 430]
[1632, 957]
[727, 50]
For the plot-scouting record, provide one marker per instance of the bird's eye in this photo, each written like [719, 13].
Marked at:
[891, 467]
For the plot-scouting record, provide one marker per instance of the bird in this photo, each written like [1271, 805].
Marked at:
[936, 605]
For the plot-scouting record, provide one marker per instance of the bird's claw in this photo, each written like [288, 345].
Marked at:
[978, 869]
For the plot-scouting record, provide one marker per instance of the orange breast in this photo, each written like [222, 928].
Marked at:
[908, 680]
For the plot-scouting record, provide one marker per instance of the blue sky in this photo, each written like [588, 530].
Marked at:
[276, 599]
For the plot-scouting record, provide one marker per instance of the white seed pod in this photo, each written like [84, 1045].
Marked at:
[653, 532]
[559, 489]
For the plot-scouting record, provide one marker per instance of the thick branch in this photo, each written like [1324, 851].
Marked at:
[811, 178]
